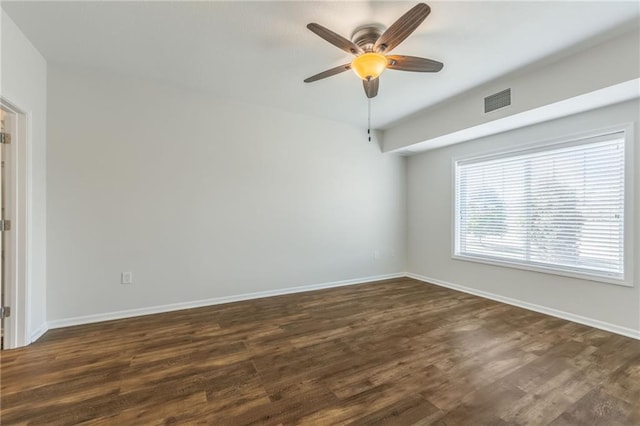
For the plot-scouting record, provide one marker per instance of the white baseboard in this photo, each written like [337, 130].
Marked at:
[107, 316]
[624, 331]
[38, 332]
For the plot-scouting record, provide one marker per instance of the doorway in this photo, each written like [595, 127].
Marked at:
[14, 193]
[7, 136]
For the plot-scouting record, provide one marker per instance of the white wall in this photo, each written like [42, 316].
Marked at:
[547, 82]
[430, 220]
[23, 82]
[201, 198]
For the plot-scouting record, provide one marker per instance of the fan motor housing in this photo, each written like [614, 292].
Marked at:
[366, 36]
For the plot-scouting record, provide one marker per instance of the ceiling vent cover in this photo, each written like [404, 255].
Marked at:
[497, 100]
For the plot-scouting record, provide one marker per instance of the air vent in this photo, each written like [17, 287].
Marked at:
[497, 101]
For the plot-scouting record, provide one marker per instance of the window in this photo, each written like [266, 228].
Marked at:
[558, 208]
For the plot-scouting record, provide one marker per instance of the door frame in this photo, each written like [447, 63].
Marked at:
[17, 242]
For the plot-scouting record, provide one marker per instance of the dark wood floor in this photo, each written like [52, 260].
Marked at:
[396, 352]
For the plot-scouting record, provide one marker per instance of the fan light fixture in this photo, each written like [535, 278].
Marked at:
[371, 45]
[369, 65]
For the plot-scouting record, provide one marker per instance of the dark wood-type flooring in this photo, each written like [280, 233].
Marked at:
[396, 352]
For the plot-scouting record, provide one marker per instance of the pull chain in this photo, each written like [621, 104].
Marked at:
[369, 119]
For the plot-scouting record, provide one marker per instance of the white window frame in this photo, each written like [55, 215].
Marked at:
[629, 213]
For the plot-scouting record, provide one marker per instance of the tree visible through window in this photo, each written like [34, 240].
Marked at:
[487, 215]
[556, 222]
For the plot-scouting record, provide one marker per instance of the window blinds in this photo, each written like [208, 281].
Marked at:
[559, 207]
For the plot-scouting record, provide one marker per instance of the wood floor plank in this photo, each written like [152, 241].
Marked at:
[395, 352]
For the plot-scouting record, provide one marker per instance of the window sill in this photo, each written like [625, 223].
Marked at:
[542, 269]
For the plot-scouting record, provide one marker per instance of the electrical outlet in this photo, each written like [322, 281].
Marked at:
[126, 278]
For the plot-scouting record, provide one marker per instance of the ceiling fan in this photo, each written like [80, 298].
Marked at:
[370, 43]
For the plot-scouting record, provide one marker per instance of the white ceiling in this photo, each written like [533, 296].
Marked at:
[260, 52]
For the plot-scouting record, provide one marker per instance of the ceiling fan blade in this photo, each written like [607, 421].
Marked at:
[335, 39]
[371, 87]
[328, 73]
[413, 63]
[402, 28]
